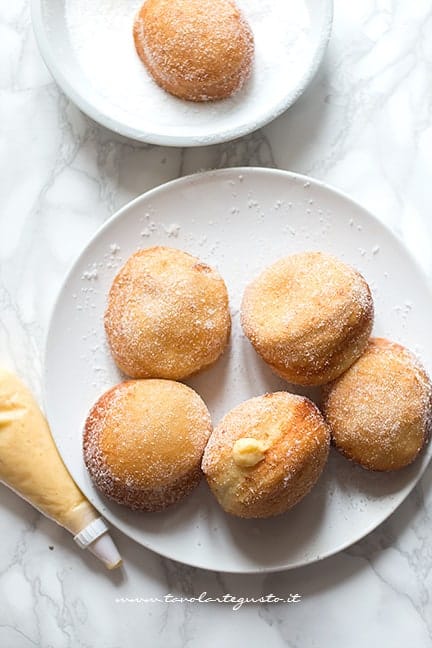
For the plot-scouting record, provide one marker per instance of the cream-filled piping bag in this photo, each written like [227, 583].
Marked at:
[32, 467]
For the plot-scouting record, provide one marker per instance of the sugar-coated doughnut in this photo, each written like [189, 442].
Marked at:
[309, 316]
[143, 443]
[266, 454]
[200, 50]
[167, 315]
[380, 410]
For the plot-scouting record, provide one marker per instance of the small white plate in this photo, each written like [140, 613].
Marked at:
[238, 220]
[88, 47]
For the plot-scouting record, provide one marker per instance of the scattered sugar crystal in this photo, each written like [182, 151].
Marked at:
[90, 274]
[172, 230]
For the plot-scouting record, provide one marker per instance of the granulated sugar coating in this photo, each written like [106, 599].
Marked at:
[296, 439]
[143, 442]
[380, 410]
[167, 315]
[101, 37]
[309, 316]
[200, 50]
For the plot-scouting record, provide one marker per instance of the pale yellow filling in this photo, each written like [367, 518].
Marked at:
[248, 452]
[29, 460]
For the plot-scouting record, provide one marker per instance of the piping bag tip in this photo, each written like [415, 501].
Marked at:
[97, 540]
[105, 549]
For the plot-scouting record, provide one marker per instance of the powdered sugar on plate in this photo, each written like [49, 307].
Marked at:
[100, 34]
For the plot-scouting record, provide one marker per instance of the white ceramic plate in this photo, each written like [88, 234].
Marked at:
[87, 74]
[238, 220]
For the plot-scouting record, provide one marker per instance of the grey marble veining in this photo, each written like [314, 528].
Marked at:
[364, 125]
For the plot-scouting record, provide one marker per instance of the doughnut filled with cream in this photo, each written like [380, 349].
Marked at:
[266, 454]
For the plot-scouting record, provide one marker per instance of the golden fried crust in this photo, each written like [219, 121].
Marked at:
[167, 315]
[309, 316]
[380, 410]
[200, 50]
[298, 443]
[143, 443]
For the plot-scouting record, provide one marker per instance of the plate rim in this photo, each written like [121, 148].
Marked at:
[55, 69]
[185, 180]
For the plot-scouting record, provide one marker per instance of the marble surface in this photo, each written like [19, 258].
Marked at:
[364, 125]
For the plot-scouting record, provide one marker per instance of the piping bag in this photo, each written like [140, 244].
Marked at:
[32, 467]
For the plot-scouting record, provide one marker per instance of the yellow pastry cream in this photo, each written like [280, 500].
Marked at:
[247, 452]
[30, 463]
